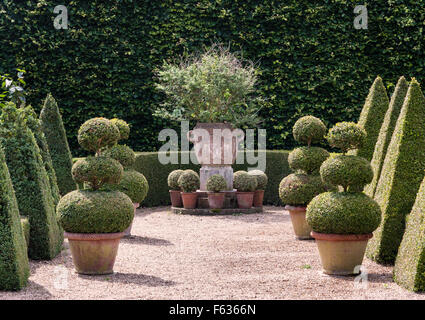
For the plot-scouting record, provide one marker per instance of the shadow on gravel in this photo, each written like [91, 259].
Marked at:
[146, 240]
[131, 278]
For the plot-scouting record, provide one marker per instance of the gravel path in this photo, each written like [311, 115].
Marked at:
[192, 257]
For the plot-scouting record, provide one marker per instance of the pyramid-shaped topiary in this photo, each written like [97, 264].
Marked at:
[14, 267]
[372, 117]
[386, 132]
[52, 126]
[31, 183]
[401, 176]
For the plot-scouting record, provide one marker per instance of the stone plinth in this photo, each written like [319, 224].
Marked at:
[207, 171]
[212, 212]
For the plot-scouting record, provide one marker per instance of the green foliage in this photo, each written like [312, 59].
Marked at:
[261, 177]
[346, 136]
[188, 181]
[245, 182]
[96, 212]
[307, 159]
[402, 174]
[133, 184]
[343, 213]
[216, 183]
[14, 267]
[31, 183]
[372, 117]
[54, 131]
[173, 179]
[122, 153]
[123, 128]
[309, 130]
[386, 132]
[98, 133]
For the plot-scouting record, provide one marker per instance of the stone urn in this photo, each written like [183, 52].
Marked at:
[216, 147]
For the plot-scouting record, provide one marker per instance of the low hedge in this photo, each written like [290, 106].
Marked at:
[156, 173]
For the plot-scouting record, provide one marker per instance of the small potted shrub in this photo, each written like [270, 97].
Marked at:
[189, 183]
[215, 185]
[245, 185]
[297, 189]
[94, 219]
[343, 222]
[261, 185]
[173, 184]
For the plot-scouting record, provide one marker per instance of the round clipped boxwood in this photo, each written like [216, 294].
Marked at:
[235, 174]
[261, 177]
[298, 189]
[97, 133]
[133, 184]
[97, 171]
[346, 136]
[173, 179]
[122, 153]
[309, 130]
[245, 182]
[123, 128]
[189, 181]
[343, 213]
[348, 171]
[307, 159]
[216, 183]
[86, 211]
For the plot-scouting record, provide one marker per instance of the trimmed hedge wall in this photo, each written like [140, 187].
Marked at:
[156, 173]
[311, 58]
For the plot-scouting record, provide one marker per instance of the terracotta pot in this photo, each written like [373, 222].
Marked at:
[245, 199]
[340, 254]
[94, 253]
[301, 228]
[189, 199]
[176, 198]
[258, 198]
[127, 232]
[216, 200]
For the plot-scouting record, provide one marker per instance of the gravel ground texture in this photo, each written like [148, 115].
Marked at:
[171, 256]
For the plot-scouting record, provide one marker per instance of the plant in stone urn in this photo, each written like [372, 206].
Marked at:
[189, 183]
[245, 185]
[343, 222]
[297, 189]
[215, 185]
[173, 184]
[94, 219]
[262, 180]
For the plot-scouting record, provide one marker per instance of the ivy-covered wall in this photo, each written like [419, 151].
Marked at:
[312, 59]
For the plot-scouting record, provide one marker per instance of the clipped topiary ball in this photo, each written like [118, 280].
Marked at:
[97, 133]
[123, 128]
[298, 189]
[244, 182]
[189, 181]
[261, 177]
[307, 159]
[173, 179]
[122, 153]
[86, 211]
[348, 171]
[216, 183]
[346, 136]
[309, 130]
[133, 184]
[97, 171]
[343, 213]
[238, 173]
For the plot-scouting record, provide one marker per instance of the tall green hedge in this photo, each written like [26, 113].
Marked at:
[14, 267]
[156, 173]
[311, 58]
[402, 174]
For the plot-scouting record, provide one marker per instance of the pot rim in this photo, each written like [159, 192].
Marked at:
[189, 192]
[341, 237]
[216, 193]
[295, 208]
[174, 191]
[93, 236]
[245, 192]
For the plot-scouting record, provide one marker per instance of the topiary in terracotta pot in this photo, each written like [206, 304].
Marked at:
[262, 180]
[94, 219]
[215, 185]
[175, 192]
[296, 190]
[245, 185]
[189, 182]
[343, 222]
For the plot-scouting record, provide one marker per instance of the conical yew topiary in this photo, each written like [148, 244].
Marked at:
[401, 176]
[386, 132]
[372, 117]
[52, 126]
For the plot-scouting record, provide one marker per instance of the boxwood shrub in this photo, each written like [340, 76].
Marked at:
[307, 159]
[133, 184]
[216, 183]
[122, 153]
[297, 189]
[245, 182]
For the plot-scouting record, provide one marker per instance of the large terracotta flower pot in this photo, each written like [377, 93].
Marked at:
[301, 228]
[216, 200]
[189, 199]
[245, 199]
[258, 198]
[340, 254]
[94, 253]
[176, 198]
[127, 232]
